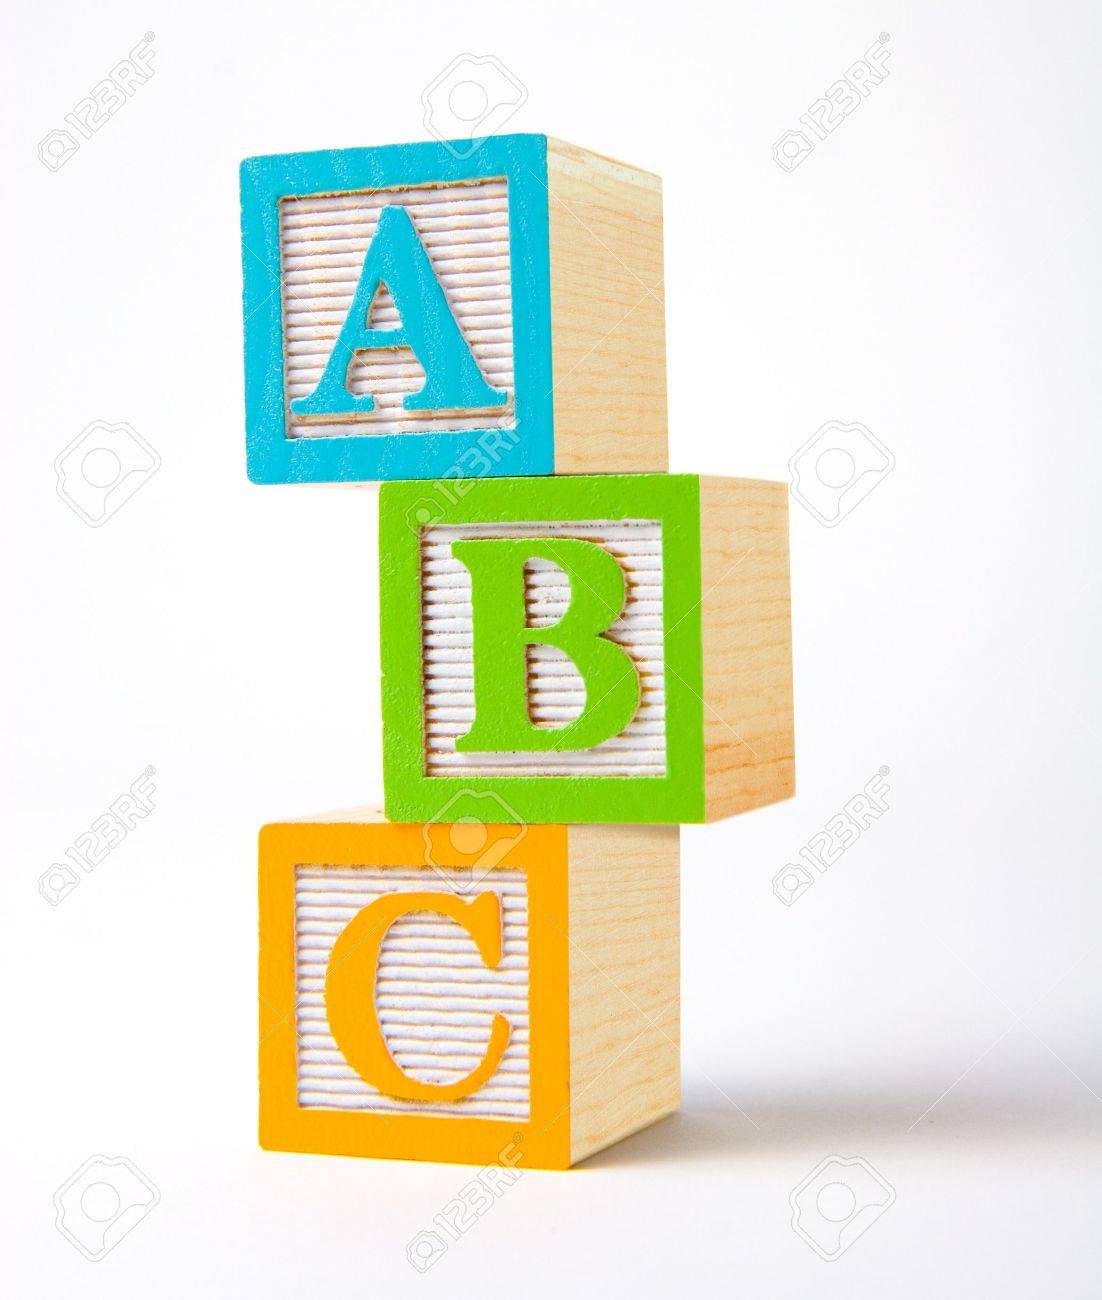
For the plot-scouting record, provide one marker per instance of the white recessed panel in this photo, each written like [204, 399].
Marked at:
[435, 997]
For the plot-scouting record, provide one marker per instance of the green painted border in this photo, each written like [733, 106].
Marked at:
[410, 795]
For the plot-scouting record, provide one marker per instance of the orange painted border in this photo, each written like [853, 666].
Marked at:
[543, 1141]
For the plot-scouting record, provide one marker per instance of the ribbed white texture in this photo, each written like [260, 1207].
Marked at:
[323, 241]
[556, 693]
[435, 998]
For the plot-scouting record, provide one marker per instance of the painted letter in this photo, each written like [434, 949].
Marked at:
[502, 636]
[350, 991]
[453, 380]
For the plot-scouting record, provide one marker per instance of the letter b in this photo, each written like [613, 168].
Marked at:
[502, 635]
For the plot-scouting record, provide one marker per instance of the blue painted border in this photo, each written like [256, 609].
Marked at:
[271, 456]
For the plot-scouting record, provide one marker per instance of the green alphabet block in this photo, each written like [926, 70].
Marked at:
[612, 648]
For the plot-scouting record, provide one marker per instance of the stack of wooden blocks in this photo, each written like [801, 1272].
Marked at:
[579, 650]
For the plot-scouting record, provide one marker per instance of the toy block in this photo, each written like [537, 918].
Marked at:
[587, 649]
[475, 993]
[413, 313]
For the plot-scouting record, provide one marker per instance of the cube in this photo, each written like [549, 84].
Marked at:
[413, 312]
[587, 649]
[482, 993]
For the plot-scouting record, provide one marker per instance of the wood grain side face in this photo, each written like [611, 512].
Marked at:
[625, 1011]
[747, 632]
[608, 319]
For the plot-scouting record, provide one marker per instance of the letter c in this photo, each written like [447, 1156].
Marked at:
[353, 965]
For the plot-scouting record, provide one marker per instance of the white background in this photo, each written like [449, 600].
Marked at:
[931, 1004]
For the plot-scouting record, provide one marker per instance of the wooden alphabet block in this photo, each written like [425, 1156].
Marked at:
[411, 312]
[477, 993]
[589, 649]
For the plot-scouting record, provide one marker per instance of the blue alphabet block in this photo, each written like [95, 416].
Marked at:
[414, 313]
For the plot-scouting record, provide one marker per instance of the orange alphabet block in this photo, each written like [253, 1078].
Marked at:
[450, 992]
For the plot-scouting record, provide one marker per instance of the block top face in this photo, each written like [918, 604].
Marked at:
[397, 312]
[541, 649]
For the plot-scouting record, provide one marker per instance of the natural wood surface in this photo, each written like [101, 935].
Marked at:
[362, 814]
[747, 635]
[608, 319]
[625, 1069]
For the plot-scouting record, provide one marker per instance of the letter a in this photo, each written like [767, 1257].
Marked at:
[502, 636]
[453, 381]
